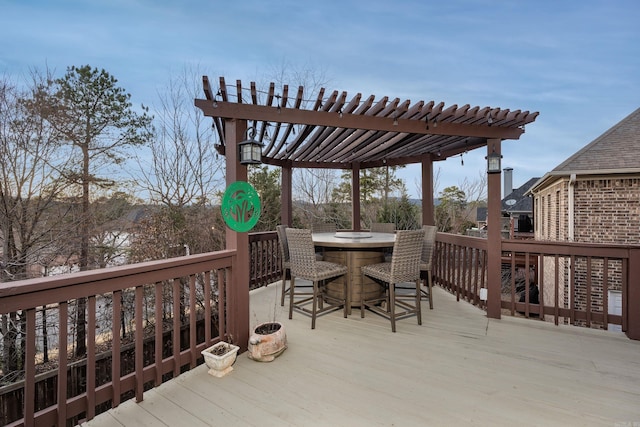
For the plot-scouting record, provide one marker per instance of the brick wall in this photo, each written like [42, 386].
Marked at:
[550, 212]
[606, 210]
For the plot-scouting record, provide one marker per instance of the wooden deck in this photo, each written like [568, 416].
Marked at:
[458, 368]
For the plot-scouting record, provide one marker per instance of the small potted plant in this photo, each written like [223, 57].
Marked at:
[219, 358]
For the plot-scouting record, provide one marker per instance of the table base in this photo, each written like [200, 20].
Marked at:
[354, 260]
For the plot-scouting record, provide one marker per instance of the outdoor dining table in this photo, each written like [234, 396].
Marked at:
[354, 249]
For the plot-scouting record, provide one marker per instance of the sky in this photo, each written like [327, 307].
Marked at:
[577, 63]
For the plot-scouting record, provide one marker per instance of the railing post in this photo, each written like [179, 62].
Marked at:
[632, 306]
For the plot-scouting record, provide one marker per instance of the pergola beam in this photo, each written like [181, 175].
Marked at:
[232, 110]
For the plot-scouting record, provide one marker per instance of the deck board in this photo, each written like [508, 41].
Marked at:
[458, 368]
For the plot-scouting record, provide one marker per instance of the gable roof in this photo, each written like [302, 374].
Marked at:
[616, 149]
[521, 201]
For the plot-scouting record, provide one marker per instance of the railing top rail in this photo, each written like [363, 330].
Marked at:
[461, 240]
[36, 292]
[600, 250]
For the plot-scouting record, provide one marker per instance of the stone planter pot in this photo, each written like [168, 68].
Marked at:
[267, 342]
[219, 358]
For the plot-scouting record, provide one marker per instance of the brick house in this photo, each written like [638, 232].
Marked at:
[593, 196]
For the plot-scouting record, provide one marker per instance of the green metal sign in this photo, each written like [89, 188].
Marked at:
[240, 206]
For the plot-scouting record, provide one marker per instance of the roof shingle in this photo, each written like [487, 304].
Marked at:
[617, 148]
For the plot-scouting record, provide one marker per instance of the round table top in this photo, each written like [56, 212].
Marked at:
[354, 239]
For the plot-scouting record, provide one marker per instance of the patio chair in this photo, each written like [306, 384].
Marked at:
[404, 267]
[383, 227]
[426, 263]
[405, 290]
[304, 265]
[323, 227]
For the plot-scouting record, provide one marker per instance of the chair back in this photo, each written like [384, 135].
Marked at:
[283, 243]
[407, 254]
[324, 227]
[429, 246]
[383, 227]
[302, 253]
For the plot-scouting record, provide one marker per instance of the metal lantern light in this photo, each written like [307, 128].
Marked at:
[493, 162]
[250, 149]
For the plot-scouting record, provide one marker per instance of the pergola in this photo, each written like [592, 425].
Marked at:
[340, 133]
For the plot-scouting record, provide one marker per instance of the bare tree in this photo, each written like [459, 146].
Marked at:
[182, 173]
[313, 188]
[32, 211]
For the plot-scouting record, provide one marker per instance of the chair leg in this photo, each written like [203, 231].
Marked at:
[361, 303]
[284, 287]
[418, 302]
[392, 305]
[430, 280]
[292, 292]
[314, 305]
[344, 301]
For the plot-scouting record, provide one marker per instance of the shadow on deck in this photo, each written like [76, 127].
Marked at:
[458, 368]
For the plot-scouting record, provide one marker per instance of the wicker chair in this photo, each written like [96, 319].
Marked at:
[426, 265]
[383, 227]
[324, 227]
[404, 267]
[304, 265]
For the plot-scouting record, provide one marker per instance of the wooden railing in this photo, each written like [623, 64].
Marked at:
[126, 304]
[563, 282]
[159, 301]
[266, 262]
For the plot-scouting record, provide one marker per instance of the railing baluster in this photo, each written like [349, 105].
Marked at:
[159, 333]
[91, 357]
[512, 282]
[139, 343]
[527, 283]
[192, 321]
[176, 327]
[572, 290]
[30, 368]
[115, 348]
[540, 280]
[625, 294]
[605, 292]
[588, 285]
[557, 289]
[207, 308]
[63, 313]
[222, 280]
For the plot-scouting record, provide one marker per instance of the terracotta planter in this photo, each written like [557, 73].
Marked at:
[219, 358]
[267, 342]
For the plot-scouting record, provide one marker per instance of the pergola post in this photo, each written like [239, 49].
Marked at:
[428, 217]
[494, 236]
[355, 197]
[238, 292]
[286, 196]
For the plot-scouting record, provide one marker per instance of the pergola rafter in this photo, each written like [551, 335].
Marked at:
[342, 133]
[337, 132]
